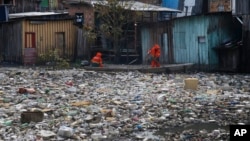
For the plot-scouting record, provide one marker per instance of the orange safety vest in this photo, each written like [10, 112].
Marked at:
[155, 51]
[97, 59]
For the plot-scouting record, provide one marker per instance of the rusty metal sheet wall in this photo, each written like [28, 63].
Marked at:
[11, 41]
[46, 35]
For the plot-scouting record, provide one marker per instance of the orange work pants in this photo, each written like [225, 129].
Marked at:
[155, 63]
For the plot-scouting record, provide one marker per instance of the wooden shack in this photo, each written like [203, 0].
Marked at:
[27, 35]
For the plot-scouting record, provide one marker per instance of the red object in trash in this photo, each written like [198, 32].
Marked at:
[22, 90]
[70, 83]
[26, 90]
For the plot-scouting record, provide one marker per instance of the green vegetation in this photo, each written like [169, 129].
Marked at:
[112, 16]
[53, 59]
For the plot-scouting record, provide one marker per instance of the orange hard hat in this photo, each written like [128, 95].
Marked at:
[99, 54]
[156, 45]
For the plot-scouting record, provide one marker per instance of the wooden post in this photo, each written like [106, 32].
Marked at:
[135, 35]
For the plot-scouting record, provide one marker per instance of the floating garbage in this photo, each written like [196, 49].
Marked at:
[29, 116]
[46, 134]
[98, 136]
[191, 83]
[39, 104]
[65, 131]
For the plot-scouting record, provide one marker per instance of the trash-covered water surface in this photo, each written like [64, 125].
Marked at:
[38, 104]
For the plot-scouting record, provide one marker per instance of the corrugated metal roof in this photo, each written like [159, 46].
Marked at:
[130, 5]
[139, 6]
[76, 1]
[33, 14]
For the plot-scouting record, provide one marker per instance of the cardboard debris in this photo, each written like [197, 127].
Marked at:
[47, 110]
[6, 105]
[191, 83]
[103, 90]
[81, 103]
[213, 91]
[117, 102]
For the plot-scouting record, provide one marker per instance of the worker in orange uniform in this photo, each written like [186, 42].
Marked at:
[155, 53]
[97, 60]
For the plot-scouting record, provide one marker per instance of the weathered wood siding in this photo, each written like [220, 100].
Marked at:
[11, 41]
[190, 39]
[160, 33]
[242, 7]
[195, 37]
[242, 10]
[46, 36]
[245, 50]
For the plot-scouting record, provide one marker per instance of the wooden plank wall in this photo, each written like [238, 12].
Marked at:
[45, 35]
[11, 41]
[245, 50]
[242, 7]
